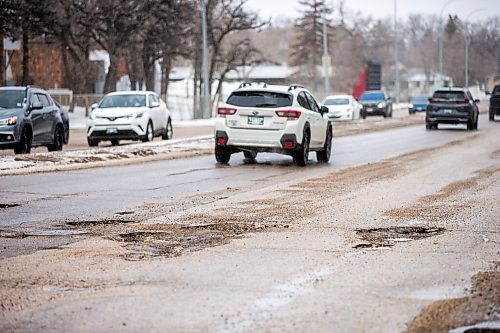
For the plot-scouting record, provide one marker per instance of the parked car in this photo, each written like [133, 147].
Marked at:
[342, 107]
[495, 102]
[418, 104]
[128, 115]
[452, 106]
[29, 118]
[277, 119]
[65, 119]
[375, 103]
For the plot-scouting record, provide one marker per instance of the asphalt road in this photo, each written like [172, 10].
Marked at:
[399, 232]
[47, 199]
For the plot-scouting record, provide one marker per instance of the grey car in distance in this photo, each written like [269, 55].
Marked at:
[29, 118]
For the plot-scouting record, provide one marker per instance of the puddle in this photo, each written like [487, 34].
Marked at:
[388, 237]
[2, 206]
[11, 234]
[52, 233]
[98, 222]
[124, 213]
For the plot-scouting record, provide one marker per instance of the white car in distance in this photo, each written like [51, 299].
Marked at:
[128, 115]
[342, 107]
[275, 119]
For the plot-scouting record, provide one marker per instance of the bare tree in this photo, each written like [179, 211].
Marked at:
[113, 25]
[15, 24]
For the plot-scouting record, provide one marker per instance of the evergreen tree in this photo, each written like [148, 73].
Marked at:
[307, 50]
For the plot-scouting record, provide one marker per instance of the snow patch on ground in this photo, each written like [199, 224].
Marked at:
[78, 159]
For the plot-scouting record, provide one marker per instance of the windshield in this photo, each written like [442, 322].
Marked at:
[260, 99]
[450, 95]
[11, 99]
[372, 96]
[123, 101]
[419, 99]
[337, 101]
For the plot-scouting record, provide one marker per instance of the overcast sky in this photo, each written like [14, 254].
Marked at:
[385, 8]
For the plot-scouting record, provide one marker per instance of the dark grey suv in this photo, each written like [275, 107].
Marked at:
[452, 106]
[29, 118]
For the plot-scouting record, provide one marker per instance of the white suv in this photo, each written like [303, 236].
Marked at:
[278, 119]
[128, 115]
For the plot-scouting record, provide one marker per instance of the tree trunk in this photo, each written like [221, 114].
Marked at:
[25, 80]
[112, 76]
[2, 63]
[166, 68]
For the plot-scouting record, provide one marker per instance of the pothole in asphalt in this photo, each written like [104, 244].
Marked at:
[98, 222]
[2, 205]
[388, 237]
[173, 240]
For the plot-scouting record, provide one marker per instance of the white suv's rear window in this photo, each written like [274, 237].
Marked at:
[260, 99]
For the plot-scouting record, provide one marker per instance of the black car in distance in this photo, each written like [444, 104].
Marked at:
[29, 118]
[452, 106]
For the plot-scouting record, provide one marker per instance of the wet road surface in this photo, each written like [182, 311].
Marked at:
[47, 199]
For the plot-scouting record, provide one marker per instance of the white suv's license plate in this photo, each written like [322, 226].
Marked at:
[255, 120]
[112, 130]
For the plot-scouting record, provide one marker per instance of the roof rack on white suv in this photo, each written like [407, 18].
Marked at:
[295, 86]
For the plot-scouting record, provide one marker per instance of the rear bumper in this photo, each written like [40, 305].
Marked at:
[495, 109]
[454, 119]
[286, 143]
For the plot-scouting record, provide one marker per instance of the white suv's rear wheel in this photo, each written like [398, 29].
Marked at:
[323, 156]
[301, 156]
[222, 154]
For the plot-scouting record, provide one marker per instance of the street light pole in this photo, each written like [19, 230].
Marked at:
[441, 36]
[466, 35]
[326, 57]
[206, 92]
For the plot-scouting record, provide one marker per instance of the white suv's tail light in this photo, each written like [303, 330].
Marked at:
[289, 114]
[224, 111]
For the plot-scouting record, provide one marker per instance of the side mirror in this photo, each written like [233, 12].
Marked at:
[154, 105]
[93, 106]
[388, 98]
[36, 106]
[476, 101]
[323, 110]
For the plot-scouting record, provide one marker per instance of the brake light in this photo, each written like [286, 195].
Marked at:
[463, 101]
[289, 114]
[288, 144]
[224, 111]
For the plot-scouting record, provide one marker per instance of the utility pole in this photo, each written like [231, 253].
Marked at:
[326, 57]
[396, 53]
[207, 110]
